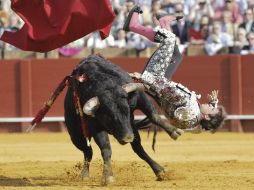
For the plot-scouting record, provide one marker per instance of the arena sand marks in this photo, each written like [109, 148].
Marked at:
[223, 161]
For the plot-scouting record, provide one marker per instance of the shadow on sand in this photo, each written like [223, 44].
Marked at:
[24, 181]
[7, 181]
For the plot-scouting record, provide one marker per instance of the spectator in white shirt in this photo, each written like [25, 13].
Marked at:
[217, 40]
[94, 41]
[120, 41]
[202, 7]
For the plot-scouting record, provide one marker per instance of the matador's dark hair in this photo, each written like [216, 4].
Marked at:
[216, 121]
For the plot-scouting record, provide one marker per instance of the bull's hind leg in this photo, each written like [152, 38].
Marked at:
[102, 140]
[139, 150]
[173, 132]
[148, 109]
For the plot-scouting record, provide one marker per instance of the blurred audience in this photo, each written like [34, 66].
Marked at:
[243, 5]
[248, 23]
[180, 28]
[120, 41]
[202, 7]
[251, 4]
[156, 10]
[249, 49]
[73, 48]
[94, 41]
[233, 7]
[188, 4]
[169, 5]
[227, 25]
[239, 42]
[218, 41]
[214, 24]
[200, 36]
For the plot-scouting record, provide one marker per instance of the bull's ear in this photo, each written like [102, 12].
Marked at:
[131, 87]
[91, 106]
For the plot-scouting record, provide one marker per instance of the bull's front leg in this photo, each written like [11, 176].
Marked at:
[102, 140]
[173, 132]
[77, 138]
[85, 169]
[81, 144]
[139, 150]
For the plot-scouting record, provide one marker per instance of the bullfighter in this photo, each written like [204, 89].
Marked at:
[178, 102]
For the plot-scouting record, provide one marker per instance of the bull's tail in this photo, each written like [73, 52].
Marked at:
[144, 124]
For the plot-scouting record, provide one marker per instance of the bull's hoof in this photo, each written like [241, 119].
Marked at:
[84, 174]
[107, 180]
[85, 170]
[160, 176]
[164, 176]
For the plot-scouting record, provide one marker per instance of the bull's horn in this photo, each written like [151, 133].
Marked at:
[130, 87]
[91, 106]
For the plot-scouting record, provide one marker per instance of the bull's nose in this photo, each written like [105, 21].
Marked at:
[128, 138]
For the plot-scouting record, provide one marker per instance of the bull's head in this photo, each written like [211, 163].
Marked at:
[113, 110]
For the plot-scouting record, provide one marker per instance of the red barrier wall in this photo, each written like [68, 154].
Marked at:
[26, 84]
[247, 68]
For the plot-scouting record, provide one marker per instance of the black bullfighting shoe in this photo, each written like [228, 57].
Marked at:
[136, 9]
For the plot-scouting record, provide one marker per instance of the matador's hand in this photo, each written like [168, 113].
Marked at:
[135, 75]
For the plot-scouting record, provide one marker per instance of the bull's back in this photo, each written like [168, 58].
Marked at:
[101, 75]
[98, 66]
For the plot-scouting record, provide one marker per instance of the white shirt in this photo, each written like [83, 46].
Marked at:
[96, 42]
[212, 47]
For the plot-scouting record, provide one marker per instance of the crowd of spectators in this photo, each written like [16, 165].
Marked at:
[216, 25]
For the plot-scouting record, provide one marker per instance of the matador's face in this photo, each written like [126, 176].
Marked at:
[208, 109]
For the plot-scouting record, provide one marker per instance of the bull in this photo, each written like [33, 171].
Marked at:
[109, 97]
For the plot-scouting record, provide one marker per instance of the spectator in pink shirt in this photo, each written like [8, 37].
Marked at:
[232, 6]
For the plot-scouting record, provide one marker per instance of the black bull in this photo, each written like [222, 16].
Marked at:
[113, 114]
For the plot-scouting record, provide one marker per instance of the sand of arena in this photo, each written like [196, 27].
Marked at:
[221, 161]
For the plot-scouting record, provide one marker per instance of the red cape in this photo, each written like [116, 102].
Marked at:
[50, 24]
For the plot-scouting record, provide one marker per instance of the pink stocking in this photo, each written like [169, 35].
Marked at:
[165, 22]
[136, 27]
